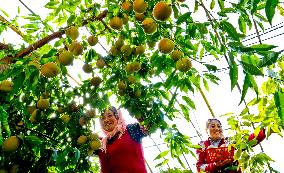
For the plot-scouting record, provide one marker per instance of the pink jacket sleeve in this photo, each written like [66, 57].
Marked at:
[201, 164]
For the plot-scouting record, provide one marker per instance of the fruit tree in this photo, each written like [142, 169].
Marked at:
[156, 54]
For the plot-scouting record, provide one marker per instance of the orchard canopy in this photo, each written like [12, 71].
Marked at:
[156, 55]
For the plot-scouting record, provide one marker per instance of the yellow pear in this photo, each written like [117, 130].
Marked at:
[166, 45]
[162, 11]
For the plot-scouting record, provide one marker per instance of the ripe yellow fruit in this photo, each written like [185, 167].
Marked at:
[100, 63]
[33, 118]
[90, 152]
[96, 81]
[114, 51]
[92, 40]
[126, 6]
[183, 64]
[72, 32]
[140, 6]
[11, 144]
[162, 11]
[121, 85]
[65, 118]
[166, 45]
[140, 50]
[95, 145]
[139, 16]
[126, 50]
[91, 113]
[138, 93]
[176, 55]
[66, 58]
[15, 169]
[128, 68]
[136, 66]
[87, 68]
[131, 79]
[116, 23]
[149, 26]
[76, 48]
[50, 70]
[60, 50]
[82, 139]
[42, 103]
[6, 86]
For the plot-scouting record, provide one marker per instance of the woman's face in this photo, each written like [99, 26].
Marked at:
[108, 121]
[215, 130]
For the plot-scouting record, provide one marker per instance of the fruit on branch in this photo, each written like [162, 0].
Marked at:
[6, 86]
[138, 93]
[76, 48]
[72, 32]
[139, 16]
[140, 6]
[92, 40]
[11, 144]
[65, 118]
[131, 79]
[94, 137]
[121, 85]
[126, 50]
[50, 70]
[31, 109]
[183, 64]
[43, 103]
[91, 113]
[116, 23]
[87, 68]
[162, 11]
[176, 55]
[129, 68]
[34, 117]
[66, 58]
[140, 50]
[166, 45]
[60, 50]
[136, 66]
[114, 51]
[82, 121]
[100, 63]
[96, 81]
[119, 43]
[126, 6]
[149, 26]
[82, 139]
[95, 144]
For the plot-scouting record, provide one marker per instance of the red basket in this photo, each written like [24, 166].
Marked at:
[219, 154]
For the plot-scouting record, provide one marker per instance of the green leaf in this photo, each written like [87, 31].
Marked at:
[212, 4]
[254, 5]
[183, 18]
[211, 67]
[205, 83]
[246, 86]
[231, 30]
[270, 9]
[253, 84]
[4, 120]
[250, 68]
[162, 154]
[242, 24]
[185, 111]
[33, 140]
[189, 102]
[279, 102]
[233, 71]
[268, 59]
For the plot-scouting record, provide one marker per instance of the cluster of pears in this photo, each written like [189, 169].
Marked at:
[94, 142]
[42, 104]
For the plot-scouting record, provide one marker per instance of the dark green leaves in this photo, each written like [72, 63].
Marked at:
[183, 18]
[279, 102]
[233, 71]
[268, 59]
[270, 9]
[231, 30]
[250, 68]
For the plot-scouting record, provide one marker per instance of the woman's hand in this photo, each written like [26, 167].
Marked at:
[224, 162]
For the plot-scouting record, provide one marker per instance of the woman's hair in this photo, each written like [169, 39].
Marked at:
[210, 120]
[113, 109]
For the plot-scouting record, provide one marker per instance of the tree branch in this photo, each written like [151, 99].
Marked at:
[11, 26]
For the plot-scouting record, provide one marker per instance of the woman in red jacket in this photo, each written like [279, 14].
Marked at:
[213, 156]
[121, 150]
